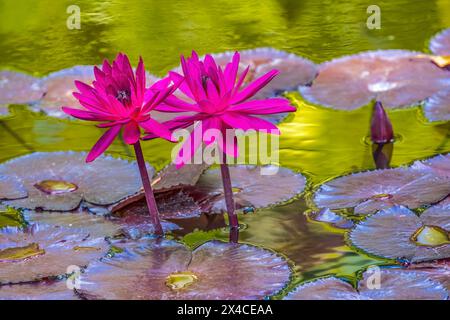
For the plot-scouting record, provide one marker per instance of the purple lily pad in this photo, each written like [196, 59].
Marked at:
[436, 270]
[44, 251]
[95, 226]
[398, 233]
[440, 44]
[330, 288]
[438, 165]
[173, 200]
[437, 107]
[374, 190]
[136, 225]
[43, 290]
[59, 88]
[395, 284]
[11, 188]
[168, 270]
[170, 177]
[19, 88]
[174, 204]
[388, 76]
[60, 181]
[328, 216]
[251, 187]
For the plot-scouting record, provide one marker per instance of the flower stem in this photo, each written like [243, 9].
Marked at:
[149, 196]
[229, 201]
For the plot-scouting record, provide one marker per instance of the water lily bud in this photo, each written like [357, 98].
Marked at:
[381, 127]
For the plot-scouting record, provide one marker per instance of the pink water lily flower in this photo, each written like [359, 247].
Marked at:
[218, 98]
[119, 99]
[219, 101]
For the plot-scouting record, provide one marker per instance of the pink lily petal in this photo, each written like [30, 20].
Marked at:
[158, 129]
[268, 106]
[245, 122]
[103, 143]
[131, 132]
[87, 115]
[193, 143]
[254, 87]
[231, 70]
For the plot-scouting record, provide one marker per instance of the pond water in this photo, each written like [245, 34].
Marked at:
[321, 143]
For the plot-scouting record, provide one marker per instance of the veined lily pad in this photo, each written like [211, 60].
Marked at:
[436, 270]
[136, 225]
[45, 251]
[11, 188]
[19, 88]
[440, 44]
[168, 270]
[254, 186]
[395, 284]
[398, 233]
[437, 107]
[60, 86]
[43, 290]
[374, 190]
[328, 216]
[388, 76]
[95, 226]
[438, 165]
[60, 181]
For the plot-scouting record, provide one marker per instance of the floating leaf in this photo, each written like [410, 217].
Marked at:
[11, 188]
[138, 225]
[395, 284]
[374, 190]
[44, 290]
[168, 270]
[398, 233]
[171, 177]
[59, 181]
[19, 88]
[253, 186]
[437, 107]
[440, 44]
[435, 270]
[94, 226]
[388, 76]
[60, 86]
[328, 216]
[438, 165]
[46, 251]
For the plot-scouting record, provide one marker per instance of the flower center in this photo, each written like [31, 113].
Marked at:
[123, 96]
[21, 253]
[180, 280]
[430, 236]
[55, 186]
